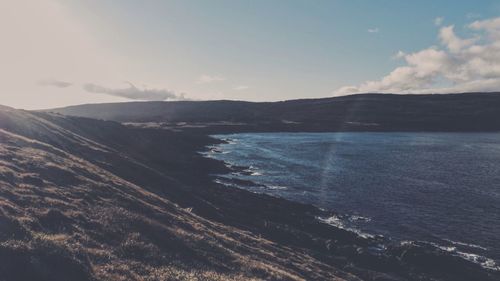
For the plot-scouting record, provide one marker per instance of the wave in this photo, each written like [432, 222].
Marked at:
[356, 218]
[467, 245]
[248, 171]
[277, 187]
[338, 222]
[230, 141]
[225, 183]
[485, 262]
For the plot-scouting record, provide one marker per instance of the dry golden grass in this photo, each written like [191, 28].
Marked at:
[63, 217]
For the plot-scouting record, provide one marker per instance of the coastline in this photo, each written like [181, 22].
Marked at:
[334, 219]
[146, 197]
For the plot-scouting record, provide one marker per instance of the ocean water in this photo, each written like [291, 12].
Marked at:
[442, 188]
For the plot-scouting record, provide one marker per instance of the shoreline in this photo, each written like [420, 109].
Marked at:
[75, 190]
[334, 219]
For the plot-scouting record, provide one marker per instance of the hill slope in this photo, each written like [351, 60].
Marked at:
[83, 199]
[366, 112]
[65, 218]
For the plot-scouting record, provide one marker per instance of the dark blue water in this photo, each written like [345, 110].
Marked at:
[443, 188]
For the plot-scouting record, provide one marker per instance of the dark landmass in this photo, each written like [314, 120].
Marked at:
[84, 199]
[468, 112]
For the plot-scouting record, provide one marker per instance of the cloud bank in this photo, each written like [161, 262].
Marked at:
[458, 65]
[134, 93]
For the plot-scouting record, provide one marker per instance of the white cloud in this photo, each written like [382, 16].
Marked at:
[373, 30]
[438, 21]
[241, 88]
[452, 41]
[205, 78]
[490, 26]
[134, 93]
[458, 65]
[399, 55]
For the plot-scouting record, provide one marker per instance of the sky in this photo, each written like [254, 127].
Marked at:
[63, 52]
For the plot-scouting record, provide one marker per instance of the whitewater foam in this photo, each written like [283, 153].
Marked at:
[277, 187]
[467, 245]
[475, 258]
[339, 223]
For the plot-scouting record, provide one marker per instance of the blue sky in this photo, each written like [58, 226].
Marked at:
[250, 50]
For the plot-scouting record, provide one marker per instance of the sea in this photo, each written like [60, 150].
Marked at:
[438, 188]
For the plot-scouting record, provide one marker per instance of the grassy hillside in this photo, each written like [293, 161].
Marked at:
[366, 112]
[83, 199]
